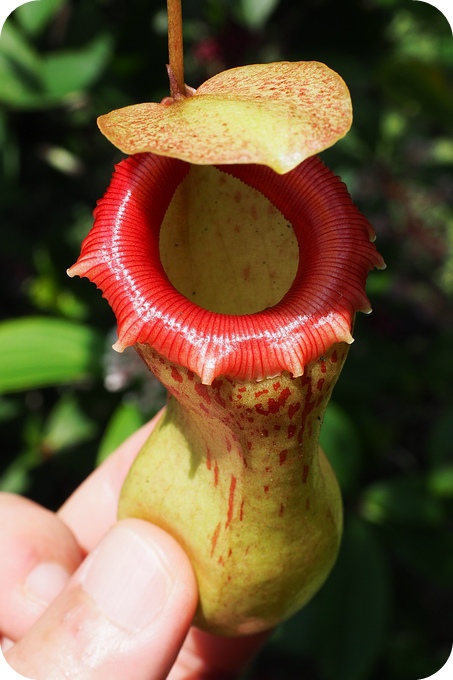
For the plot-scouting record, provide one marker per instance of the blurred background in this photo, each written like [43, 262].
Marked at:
[66, 399]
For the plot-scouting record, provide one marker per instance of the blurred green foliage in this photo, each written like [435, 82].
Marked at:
[66, 399]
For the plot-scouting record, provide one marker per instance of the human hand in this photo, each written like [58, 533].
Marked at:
[89, 598]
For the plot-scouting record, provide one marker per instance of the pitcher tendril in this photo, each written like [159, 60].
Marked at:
[175, 48]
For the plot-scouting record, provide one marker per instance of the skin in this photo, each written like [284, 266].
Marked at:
[68, 622]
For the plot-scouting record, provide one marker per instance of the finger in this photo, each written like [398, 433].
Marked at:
[92, 509]
[212, 657]
[39, 553]
[124, 614]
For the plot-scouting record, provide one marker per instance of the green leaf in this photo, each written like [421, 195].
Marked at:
[9, 154]
[353, 607]
[424, 86]
[28, 79]
[15, 89]
[73, 71]
[15, 46]
[441, 437]
[20, 76]
[425, 550]
[66, 426]
[38, 351]
[255, 13]
[402, 500]
[8, 409]
[33, 17]
[16, 477]
[440, 481]
[125, 421]
[46, 292]
[340, 442]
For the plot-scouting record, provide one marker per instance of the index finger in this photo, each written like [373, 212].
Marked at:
[92, 509]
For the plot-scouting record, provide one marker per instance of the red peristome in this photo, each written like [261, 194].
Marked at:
[121, 256]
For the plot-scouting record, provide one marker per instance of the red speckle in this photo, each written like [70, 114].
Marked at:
[239, 396]
[260, 393]
[292, 409]
[202, 391]
[265, 433]
[274, 405]
[249, 446]
[323, 366]
[266, 488]
[267, 469]
[204, 408]
[242, 389]
[291, 430]
[221, 560]
[174, 392]
[216, 474]
[220, 400]
[231, 501]
[334, 357]
[216, 386]
[246, 273]
[308, 405]
[230, 552]
[277, 427]
[241, 511]
[276, 386]
[208, 459]
[282, 456]
[320, 383]
[176, 375]
[228, 445]
[305, 472]
[214, 538]
[190, 375]
[282, 510]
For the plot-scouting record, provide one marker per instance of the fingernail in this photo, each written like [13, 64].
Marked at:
[46, 581]
[128, 580]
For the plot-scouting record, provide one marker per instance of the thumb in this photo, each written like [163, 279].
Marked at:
[124, 614]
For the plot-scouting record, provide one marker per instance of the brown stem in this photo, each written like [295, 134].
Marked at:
[175, 48]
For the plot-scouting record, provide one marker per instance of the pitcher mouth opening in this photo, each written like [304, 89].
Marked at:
[160, 297]
[225, 246]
